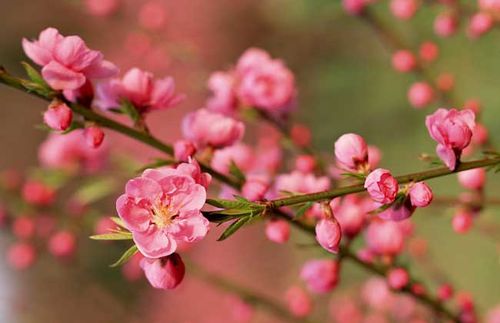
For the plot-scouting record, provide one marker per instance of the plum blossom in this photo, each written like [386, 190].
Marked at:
[351, 151]
[67, 63]
[381, 186]
[164, 273]
[162, 208]
[321, 275]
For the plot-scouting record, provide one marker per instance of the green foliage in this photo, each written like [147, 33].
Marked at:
[126, 256]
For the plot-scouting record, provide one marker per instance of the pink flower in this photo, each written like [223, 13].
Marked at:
[345, 309]
[397, 278]
[479, 24]
[445, 292]
[445, 25]
[420, 95]
[278, 230]
[305, 163]
[384, 237]
[102, 7]
[21, 255]
[164, 273]
[452, 130]
[183, 150]
[428, 51]
[493, 315]
[404, 9]
[93, 136]
[376, 294]
[264, 83]
[67, 63]
[255, 187]
[328, 234]
[223, 98]
[404, 61]
[162, 208]
[420, 194]
[62, 244]
[70, 152]
[398, 211]
[472, 179]
[462, 221]
[301, 135]
[354, 7]
[23, 227]
[141, 88]
[296, 182]
[298, 301]
[351, 151]
[205, 128]
[152, 15]
[58, 116]
[240, 154]
[320, 276]
[38, 193]
[350, 215]
[381, 186]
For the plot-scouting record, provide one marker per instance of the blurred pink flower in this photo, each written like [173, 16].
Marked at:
[21, 255]
[321, 276]
[298, 301]
[223, 99]
[384, 237]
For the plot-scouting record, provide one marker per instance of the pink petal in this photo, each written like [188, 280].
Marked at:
[447, 155]
[102, 69]
[62, 78]
[135, 216]
[154, 243]
[191, 226]
[36, 53]
[185, 194]
[143, 188]
[71, 51]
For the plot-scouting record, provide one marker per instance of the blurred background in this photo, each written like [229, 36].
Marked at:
[346, 84]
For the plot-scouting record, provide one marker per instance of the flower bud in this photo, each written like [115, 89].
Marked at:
[420, 194]
[298, 301]
[93, 136]
[351, 151]
[21, 255]
[397, 278]
[354, 7]
[183, 149]
[404, 61]
[301, 135]
[445, 25]
[445, 292]
[428, 51]
[462, 222]
[479, 24]
[374, 156]
[384, 238]
[255, 188]
[445, 82]
[399, 211]
[164, 273]
[101, 8]
[404, 9]
[420, 95]
[58, 116]
[305, 163]
[321, 276]
[329, 234]
[241, 311]
[472, 179]
[278, 230]
[62, 244]
[37, 193]
[23, 227]
[381, 186]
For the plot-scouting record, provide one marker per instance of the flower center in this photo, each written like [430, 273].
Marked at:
[163, 215]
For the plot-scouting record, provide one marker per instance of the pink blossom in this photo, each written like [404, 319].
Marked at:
[70, 152]
[264, 83]
[162, 208]
[445, 25]
[193, 170]
[397, 278]
[328, 234]
[474, 105]
[23, 227]
[255, 187]
[462, 221]
[480, 134]
[38, 193]
[62, 244]
[491, 6]
[102, 7]
[140, 88]
[493, 315]
[381, 186]
[376, 294]
[298, 301]
[321, 276]
[205, 128]
[350, 215]
[164, 273]
[473, 179]
[445, 292]
[404, 9]
[479, 24]
[445, 82]
[21, 255]
[67, 63]
[240, 154]
[452, 129]
[384, 237]
[305, 163]
[399, 211]
[420, 95]
[278, 230]
[351, 151]
[58, 116]
[420, 194]
[301, 135]
[183, 150]
[93, 136]
[429, 51]
[296, 182]
[153, 15]
[404, 61]
[223, 99]
[345, 309]
[354, 7]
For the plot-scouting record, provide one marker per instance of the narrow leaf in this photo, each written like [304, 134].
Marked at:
[233, 227]
[34, 75]
[236, 171]
[119, 235]
[126, 256]
[129, 109]
[118, 221]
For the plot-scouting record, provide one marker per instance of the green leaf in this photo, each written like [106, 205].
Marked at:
[126, 256]
[118, 221]
[218, 217]
[118, 235]
[303, 209]
[34, 75]
[238, 203]
[236, 171]
[129, 109]
[233, 227]
[355, 175]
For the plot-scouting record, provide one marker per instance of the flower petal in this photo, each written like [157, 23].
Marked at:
[191, 226]
[154, 243]
[135, 216]
[143, 188]
[447, 155]
[61, 78]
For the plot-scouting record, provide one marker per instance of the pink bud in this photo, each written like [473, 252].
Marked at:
[278, 230]
[384, 238]
[445, 82]
[480, 134]
[420, 194]
[420, 95]
[404, 9]
[417, 289]
[152, 15]
[101, 7]
[381, 186]
[397, 278]
[399, 211]
[58, 116]
[93, 136]
[23, 227]
[301, 135]
[462, 221]
[62, 244]
[298, 301]
[305, 163]
[354, 7]
[465, 301]
[404, 61]
[472, 179]
[255, 188]
[445, 25]
[351, 151]
[21, 255]
[321, 276]
[474, 105]
[329, 234]
[445, 292]
[479, 24]
[429, 51]
[164, 273]
[351, 217]
[183, 150]
[38, 193]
